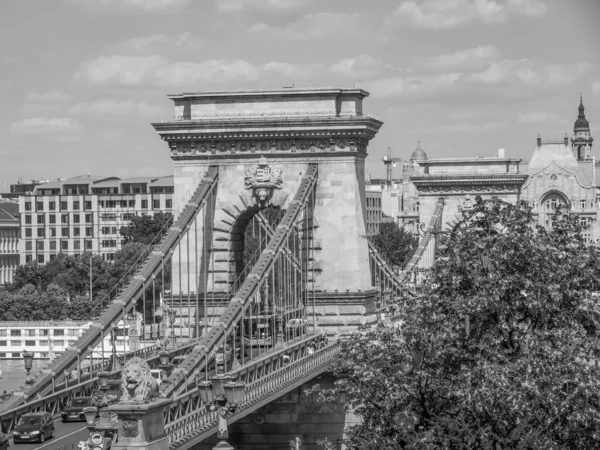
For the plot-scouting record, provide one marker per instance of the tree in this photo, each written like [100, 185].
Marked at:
[147, 229]
[395, 244]
[28, 304]
[500, 352]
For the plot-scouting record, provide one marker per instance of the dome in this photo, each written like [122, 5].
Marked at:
[581, 123]
[419, 154]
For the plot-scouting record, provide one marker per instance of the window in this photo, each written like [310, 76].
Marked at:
[88, 218]
[27, 206]
[44, 332]
[15, 333]
[43, 343]
[64, 232]
[128, 216]
[64, 218]
[114, 230]
[40, 245]
[63, 206]
[52, 232]
[156, 204]
[40, 219]
[28, 245]
[64, 245]
[109, 243]
[29, 343]
[59, 343]
[105, 230]
[582, 204]
[2, 343]
[101, 203]
[59, 332]
[108, 216]
[39, 206]
[52, 218]
[88, 244]
[52, 245]
[52, 206]
[76, 231]
[75, 218]
[123, 203]
[40, 232]
[76, 205]
[15, 344]
[28, 258]
[132, 203]
[110, 256]
[169, 204]
[28, 219]
[88, 205]
[144, 204]
[88, 232]
[72, 332]
[40, 259]
[27, 232]
[76, 245]
[72, 343]
[2, 332]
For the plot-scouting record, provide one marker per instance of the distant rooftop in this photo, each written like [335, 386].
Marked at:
[271, 92]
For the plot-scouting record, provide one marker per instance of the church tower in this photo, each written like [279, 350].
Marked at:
[582, 141]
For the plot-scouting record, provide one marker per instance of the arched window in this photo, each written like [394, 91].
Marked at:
[548, 207]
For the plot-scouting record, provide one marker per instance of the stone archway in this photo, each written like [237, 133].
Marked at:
[548, 204]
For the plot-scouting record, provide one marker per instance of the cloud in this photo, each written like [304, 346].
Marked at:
[596, 87]
[293, 70]
[48, 97]
[448, 14]
[537, 117]
[470, 59]
[159, 43]
[277, 5]
[321, 26]
[111, 108]
[150, 6]
[361, 66]
[44, 126]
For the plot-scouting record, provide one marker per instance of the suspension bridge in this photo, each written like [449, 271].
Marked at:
[268, 262]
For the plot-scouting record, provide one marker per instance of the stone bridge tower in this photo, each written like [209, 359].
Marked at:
[281, 131]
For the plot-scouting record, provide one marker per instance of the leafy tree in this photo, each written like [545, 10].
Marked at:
[500, 352]
[27, 304]
[147, 229]
[395, 244]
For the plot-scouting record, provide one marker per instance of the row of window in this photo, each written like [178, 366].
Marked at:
[64, 245]
[42, 332]
[373, 202]
[64, 232]
[64, 218]
[59, 343]
[64, 206]
[41, 259]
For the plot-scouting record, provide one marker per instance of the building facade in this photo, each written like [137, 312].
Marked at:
[9, 240]
[85, 214]
[374, 212]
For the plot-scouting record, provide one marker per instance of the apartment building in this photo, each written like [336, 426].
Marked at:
[9, 240]
[85, 213]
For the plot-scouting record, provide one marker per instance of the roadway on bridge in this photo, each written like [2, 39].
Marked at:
[68, 436]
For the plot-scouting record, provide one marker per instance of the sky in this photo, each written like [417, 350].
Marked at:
[82, 80]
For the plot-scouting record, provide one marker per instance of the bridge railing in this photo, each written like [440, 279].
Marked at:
[133, 290]
[188, 421]
[54, 402]
[198, 360]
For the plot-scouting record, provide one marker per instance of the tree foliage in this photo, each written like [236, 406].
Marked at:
[499, 352]
[147, 229]
[395, 244]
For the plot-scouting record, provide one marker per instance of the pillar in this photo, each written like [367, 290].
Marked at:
[142, 425]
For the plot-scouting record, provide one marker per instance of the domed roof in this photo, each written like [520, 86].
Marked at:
[581, 123]
[419, 154]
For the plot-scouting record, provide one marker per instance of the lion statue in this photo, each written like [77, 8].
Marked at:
[137, 382]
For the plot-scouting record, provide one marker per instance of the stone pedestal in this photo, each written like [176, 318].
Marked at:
[141, 426]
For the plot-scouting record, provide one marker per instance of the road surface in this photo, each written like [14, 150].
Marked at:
[68, 436]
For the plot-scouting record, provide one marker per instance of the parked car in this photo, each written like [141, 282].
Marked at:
[73, 411]
[34, 427]
[113, 393]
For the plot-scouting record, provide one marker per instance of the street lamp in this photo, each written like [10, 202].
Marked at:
[227, 395]
[28, 361]
[165, 362]
[103, 380]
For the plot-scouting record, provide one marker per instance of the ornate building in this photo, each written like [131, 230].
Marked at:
[9, 240]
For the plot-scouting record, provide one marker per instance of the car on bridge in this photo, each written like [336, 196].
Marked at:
[73, 411]
[34, 427]
[113, 393]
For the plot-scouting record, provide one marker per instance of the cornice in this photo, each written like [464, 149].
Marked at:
[508, 183]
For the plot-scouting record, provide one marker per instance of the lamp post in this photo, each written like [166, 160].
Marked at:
[165, 362]
[225, 394]
[28, 361]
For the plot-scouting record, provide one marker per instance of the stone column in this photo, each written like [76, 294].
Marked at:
[142, 426]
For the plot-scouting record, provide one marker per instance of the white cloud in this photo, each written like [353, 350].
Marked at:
[293, 70]
[158, 43]
[361, 66]
[158, 71]
[239, 5]
[537, 117]
[48, 97]
[469, 59]
[150, 6]
[112, 108]
[596, 87]
[448, 14]
[322, 26]
[43, 126]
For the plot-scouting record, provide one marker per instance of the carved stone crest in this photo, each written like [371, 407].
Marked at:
[466, 205]
[262, 179]
[130, 427]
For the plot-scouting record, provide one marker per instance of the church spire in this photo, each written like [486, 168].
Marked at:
[581, 123]
[582, 140]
